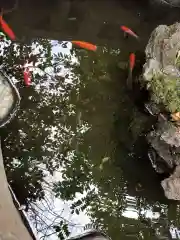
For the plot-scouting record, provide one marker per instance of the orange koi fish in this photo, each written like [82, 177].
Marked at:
[132, 59]
[7, 30]
[27, 77]
[129, 31]
[85, 45]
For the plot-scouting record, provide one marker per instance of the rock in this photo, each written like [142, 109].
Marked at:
[161, 76]
[172, 3]
[171, 135]
[164, 155]
[157, 162]
[165, 140]
[152, 108]
[171, 185]
[161, 72]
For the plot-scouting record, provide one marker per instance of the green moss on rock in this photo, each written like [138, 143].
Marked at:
[166, 90]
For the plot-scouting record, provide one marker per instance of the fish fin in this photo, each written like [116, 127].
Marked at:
[125, 35]
[129, 80]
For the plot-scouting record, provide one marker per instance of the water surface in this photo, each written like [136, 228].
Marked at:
[93, 128]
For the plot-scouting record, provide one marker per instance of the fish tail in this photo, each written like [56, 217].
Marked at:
[129, 80]
[137, 37]
[133, 34]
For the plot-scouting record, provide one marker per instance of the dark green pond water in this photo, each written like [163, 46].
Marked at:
[84, 122]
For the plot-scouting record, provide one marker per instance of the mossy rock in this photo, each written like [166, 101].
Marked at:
[166, 90]
[161, 72]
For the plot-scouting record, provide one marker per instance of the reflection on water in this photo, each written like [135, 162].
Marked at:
[80, 122]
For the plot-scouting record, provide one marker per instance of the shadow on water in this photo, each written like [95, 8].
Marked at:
[136, 166]
[118, 121]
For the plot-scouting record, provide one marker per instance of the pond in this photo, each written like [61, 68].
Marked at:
[76, 152]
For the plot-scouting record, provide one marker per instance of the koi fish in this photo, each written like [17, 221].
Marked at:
[27, 77]
[85, 45]
[176, 116]
[7, 30]
[132, 59]
[129, 31]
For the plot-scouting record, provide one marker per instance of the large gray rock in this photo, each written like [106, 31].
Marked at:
[161, 72]
[161, 53]
[171, 185]
[165, 140]
[165, 156]
[161, 75]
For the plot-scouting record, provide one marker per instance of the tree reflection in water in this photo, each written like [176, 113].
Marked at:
[80, 120]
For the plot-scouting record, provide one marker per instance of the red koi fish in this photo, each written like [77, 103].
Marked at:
[132, 59]
[85, 45]
[7, 30]
[129, 31]
[27, 77]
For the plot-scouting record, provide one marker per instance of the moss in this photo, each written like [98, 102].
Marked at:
[165, 90]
